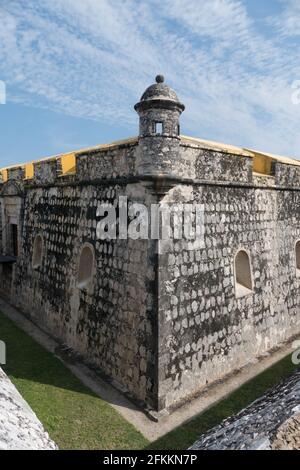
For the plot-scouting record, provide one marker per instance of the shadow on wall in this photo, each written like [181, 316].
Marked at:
[27, 360]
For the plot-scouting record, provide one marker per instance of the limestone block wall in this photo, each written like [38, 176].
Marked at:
[214, 165]
[112, 323]
[287, 175]
[162, 318]
[45, 171]
[107, 163]
[205, 331]
[16, 173]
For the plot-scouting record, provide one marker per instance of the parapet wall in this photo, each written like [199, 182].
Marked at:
[287, 175]
[209, 164]
[198, 160]
[102, 162]
[115, 162]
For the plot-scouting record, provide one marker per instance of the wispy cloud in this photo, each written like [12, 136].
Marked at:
[93, 59]
[287, 24]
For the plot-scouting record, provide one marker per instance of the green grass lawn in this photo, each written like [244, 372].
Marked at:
[76, 418]
[187, 434]
[73, 415]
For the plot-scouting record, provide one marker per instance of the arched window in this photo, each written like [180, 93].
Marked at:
[243, 276]
[86, 266]
[37, 255]
[297, 254]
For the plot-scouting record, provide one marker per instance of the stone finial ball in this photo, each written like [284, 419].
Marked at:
[159, 78]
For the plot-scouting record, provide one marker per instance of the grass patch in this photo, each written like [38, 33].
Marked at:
[73, 415]
[184, 436]
[76, 418]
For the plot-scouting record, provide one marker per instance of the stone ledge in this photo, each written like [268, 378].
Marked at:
[20, 429]
[271, 422]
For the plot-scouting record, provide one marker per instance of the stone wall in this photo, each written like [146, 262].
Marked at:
[20, 429]
[161, 318]
[270, 422]
[287, 175]
[112, 323]
[205, 331]
[214, 165]
[115, 162]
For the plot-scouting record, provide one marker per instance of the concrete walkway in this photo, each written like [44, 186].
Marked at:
[150, 429]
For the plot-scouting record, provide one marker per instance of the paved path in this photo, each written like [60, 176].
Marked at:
[150, 429]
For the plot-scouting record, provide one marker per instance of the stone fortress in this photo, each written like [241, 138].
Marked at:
[162, 320]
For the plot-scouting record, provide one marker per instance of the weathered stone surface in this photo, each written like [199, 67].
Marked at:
[160, 317]
[20, 429]
[271, 422]
[288, 434]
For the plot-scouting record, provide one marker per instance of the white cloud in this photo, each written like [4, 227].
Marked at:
[94, 58]
[288, 22]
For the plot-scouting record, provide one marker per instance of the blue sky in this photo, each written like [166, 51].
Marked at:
[74, 69]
